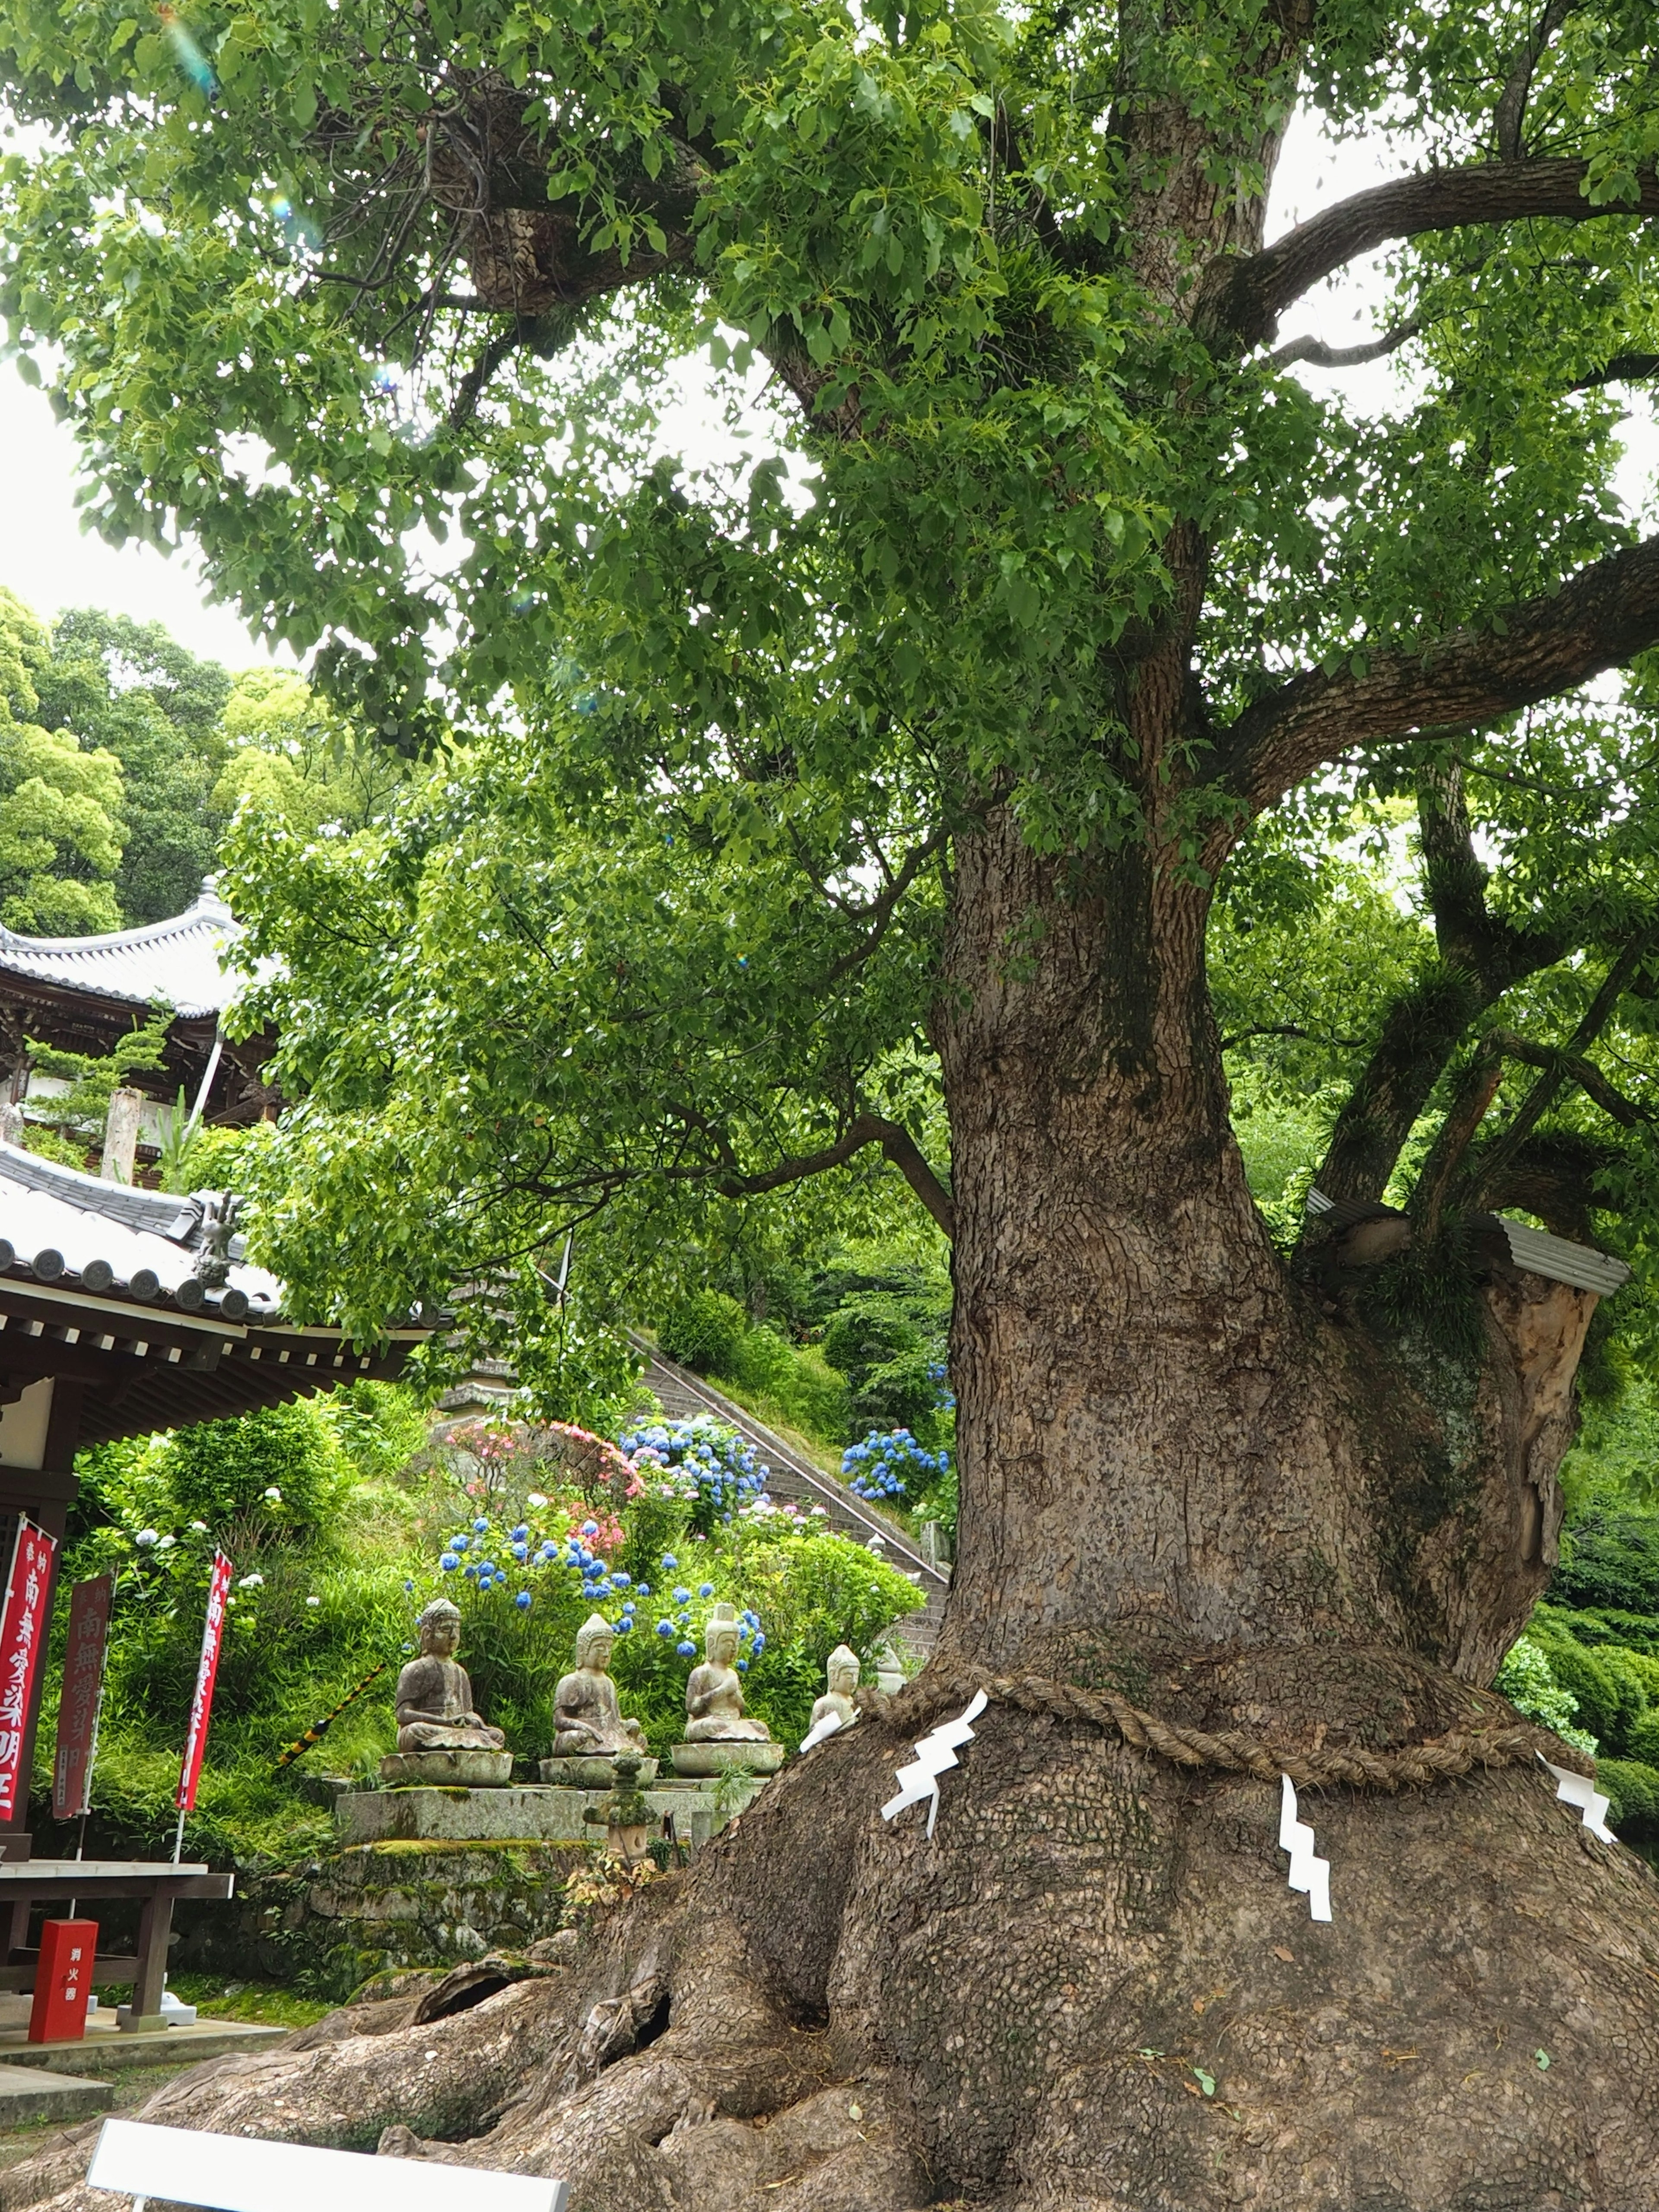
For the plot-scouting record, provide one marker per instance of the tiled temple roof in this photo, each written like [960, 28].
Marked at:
[57, 1225]
[176, 962]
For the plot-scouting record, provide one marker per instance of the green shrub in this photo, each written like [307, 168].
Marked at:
[900, 1394]
[1527, 1680]
[1633, 1788]
[706, 1331]
[868, 1331]
[1610, 1685]
[1610, 1557]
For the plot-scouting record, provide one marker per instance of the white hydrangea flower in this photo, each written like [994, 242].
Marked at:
[251, 1581]
[146, 1539]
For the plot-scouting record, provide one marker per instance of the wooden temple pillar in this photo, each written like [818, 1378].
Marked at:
[39, 1434]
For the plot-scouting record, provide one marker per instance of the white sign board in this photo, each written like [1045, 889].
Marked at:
[245, 2173]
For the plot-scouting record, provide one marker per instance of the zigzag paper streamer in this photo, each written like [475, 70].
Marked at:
[1308, 1874]
[1578, 1789]
[935, 1754]
[821, 1730]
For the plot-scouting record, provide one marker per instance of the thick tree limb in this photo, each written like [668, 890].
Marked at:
[1241, 300]
[1622, 368]
[1495, 950]
[1599, 618]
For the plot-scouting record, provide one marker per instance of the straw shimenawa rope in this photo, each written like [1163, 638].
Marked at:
[1439, 1760]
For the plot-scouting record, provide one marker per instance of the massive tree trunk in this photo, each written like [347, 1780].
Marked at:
[1196, 1478]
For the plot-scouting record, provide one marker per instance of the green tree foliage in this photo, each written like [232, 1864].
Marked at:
[61, 825]
[670, 924]
[127, 688]
[289, 758]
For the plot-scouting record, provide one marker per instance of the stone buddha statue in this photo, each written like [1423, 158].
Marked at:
[714, 1696]
[842, 1673]
[435, 1698]
[587, 1718]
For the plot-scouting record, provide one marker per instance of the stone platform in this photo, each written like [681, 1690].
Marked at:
[27, 2094]
[527, 1812]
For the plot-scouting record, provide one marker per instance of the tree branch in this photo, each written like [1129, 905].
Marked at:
[1241, 300]
[1600, 617]
[1501, 1154]
[1511, 111]
[1324, 357]
[895, 1141]
[1622, 368]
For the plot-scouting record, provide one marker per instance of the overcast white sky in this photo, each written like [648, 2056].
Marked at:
[47, 561]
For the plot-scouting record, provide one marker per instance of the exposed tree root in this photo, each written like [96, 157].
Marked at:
[1093, 1988]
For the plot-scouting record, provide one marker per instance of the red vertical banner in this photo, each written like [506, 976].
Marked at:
[201, 1705]
[83, 1693]
[23, 1635]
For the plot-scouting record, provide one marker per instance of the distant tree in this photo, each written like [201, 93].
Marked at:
[128, 687]
[61, 826]
[294, 759]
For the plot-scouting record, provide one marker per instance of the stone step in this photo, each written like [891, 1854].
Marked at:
[107, 2048]
[28, 2093]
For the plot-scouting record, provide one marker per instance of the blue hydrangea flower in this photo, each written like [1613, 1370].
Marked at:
[621, 1581]
[521, 1533]
[589, 1527]
[409, 1586]
[624, 1624]
[705, 1590]
[481, 1526]
[682, 1596]
[459, 1543]
[665, 1628]
[685, 1647]
[760, 1641]
[644, 1589]
[669, 1562]
[743, 1666]
[449, 1563]
[522, 1600]
[521, 1550]
[628, 1605]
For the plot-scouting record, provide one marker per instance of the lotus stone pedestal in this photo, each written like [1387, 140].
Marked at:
[447, 1770]
[714, 1756]
[595, 1771]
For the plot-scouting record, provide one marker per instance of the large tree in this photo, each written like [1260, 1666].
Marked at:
[949, 730]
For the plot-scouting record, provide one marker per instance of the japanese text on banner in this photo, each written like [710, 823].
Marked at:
[84, 1654]
[201, 1705]
[22, 1634]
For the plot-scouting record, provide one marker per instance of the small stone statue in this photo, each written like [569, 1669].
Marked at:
[587, 1715]
[440, 1737]
[714, 1696]
[435, 1698]
[836, 1709]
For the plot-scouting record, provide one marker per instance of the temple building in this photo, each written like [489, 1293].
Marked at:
[87, 994]
[123, 1311]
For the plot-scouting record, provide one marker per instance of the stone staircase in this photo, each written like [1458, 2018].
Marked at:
[794, 1480]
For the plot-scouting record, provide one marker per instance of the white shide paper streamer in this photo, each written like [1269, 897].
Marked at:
[1308, 1874]
[819, 1729]
[1578, 1789]
[934, 1754]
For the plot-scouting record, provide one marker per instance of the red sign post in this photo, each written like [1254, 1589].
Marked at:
[23, 1637]
[201, 1705]
[83, 1693]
